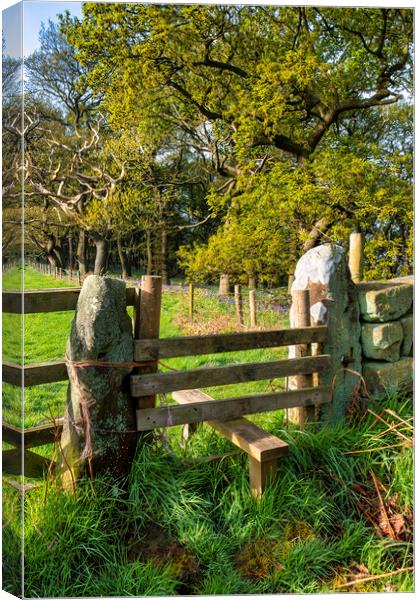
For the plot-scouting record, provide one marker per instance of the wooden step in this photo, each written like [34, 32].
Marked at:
[262, 447]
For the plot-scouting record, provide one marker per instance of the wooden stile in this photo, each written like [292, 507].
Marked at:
[160, 383]
[154, 349]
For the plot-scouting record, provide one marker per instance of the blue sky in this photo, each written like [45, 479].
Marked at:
[34, 13]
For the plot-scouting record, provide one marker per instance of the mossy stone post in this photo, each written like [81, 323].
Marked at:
[99, 433]
[323, 271]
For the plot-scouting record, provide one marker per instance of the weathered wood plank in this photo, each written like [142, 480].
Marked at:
[34, 464]
[232, 408]
[49, 300]
[226, 342]
[261, 474]
[35, 374]
[247, 436]
[21, 487]
[32, 436]
[159, 383]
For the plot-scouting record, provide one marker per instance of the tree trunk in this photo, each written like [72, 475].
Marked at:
[70, 257]
[52, 259]
[316, 233]
[224, 286]
[53, 252]
[149, 267]
[81, 252]
[129, 261]
[101, 255]
[123, 259]
[164, 257]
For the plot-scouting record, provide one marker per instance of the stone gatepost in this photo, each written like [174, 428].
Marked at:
[99, 435]
[333, 299]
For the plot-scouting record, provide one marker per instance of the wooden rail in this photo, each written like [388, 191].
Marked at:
[160, 383]
[32, 436]
[232, 408]
[35, 374]
[51, 300]
[227, 342]
[34, 465]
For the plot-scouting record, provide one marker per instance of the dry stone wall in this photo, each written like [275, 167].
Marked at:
[386, 310]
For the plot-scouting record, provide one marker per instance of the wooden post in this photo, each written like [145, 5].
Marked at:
[238, 304]
[261, 474]
[146, 324]
[253, 307]
[191, 301]
[301, 318]
[78, 278]
[356, 257]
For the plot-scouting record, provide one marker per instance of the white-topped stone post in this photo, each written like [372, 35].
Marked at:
[323, 271]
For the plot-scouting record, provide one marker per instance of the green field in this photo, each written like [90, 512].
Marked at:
[190, 527]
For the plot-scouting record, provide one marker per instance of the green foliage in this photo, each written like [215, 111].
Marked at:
[296, 108]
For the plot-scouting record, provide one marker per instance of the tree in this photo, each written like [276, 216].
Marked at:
[69, 170]
[267, 92]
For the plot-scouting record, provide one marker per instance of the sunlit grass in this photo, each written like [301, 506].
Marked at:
[306, 532]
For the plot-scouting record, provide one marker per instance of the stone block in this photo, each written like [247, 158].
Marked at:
[408, 329]
[382, 301]
[384, 376]
[382, 341]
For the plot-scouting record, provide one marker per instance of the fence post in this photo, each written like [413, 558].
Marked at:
[253, 307]
[301, 318]
[238, 304]
[356, 257]
[191, 301]
[146, 323]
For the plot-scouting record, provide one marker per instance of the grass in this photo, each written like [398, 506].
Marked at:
[184, 527]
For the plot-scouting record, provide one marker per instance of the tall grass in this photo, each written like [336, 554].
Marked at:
[308, 532]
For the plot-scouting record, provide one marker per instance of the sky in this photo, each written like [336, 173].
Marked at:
[34, 13]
